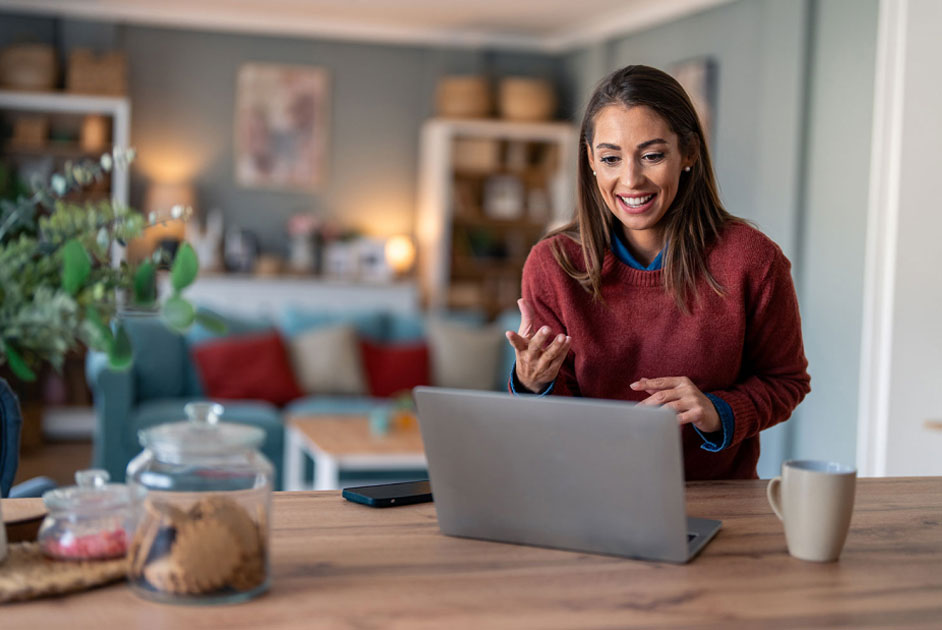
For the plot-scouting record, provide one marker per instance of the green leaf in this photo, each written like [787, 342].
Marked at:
[178, 313]
[185, 267]
[76, 265]
[17, 364]
[212, 323]
[121, 353]
[145, 290]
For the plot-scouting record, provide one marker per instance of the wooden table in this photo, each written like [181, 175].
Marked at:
[338, 443]
[341, 565]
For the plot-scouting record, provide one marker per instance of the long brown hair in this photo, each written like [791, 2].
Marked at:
[695, 217]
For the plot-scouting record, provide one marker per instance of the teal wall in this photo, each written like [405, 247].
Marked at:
[183, 90]
[837, 166]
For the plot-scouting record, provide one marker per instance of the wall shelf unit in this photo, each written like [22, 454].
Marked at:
[488, 190]
[66, 111]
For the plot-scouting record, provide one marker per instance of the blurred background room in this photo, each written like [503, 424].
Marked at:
[345, 160]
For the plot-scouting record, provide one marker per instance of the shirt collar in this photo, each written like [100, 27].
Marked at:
[621, 251]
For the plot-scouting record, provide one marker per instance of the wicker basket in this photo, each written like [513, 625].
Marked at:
[463, 97]
[28, 67]
[103, 74]
[526, 99]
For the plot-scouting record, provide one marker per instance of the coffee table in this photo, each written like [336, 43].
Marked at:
[338, 443]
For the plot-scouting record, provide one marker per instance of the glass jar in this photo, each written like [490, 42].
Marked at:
[202, 500]
[87, 521]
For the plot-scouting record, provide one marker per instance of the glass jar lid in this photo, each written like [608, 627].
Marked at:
[92, 493]
[202, 434]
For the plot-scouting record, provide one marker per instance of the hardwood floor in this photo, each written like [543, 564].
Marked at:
[58, 460]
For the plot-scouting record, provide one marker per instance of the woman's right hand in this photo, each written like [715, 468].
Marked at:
[538, 358]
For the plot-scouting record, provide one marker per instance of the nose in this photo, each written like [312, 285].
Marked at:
[632, 175]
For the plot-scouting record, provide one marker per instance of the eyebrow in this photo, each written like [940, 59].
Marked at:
[643, 145]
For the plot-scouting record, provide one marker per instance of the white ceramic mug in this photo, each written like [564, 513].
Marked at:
[815, 500]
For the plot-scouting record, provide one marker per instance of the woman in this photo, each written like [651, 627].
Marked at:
[654, 293]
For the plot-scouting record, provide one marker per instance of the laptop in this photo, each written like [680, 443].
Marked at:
[580, 474]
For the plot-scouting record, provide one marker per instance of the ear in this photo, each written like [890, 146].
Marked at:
[692, 154]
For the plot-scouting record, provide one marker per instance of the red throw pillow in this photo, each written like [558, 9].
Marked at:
[391, 369]
[254, 366]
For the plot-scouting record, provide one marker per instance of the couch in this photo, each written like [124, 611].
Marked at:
[171, 369]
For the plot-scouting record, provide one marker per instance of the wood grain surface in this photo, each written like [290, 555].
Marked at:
[346, 435]
[341, 565]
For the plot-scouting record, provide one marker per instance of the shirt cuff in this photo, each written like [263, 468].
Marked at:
[718, 440]
[517, 388]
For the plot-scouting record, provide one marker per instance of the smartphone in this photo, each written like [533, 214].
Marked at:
[390, 494]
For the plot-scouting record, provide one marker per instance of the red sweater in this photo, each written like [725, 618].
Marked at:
[744, 347]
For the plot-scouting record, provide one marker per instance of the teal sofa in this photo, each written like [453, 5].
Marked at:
[163, 378]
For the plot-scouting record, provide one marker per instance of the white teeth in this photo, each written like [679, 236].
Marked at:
[635, 202]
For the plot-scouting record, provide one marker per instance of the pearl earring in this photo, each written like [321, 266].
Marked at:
[686, 169]
[593, 173]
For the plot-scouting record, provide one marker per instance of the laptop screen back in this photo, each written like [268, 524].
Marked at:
[579, 474]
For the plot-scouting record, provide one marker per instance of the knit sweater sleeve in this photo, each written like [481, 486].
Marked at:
[774, 377]
[541, 275]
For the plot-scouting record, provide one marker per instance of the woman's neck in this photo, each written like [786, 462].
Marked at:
[644, 245]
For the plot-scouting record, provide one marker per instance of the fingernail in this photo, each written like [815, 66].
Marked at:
[636, 385]
[545, 330]
[568, 338]
[560, 338]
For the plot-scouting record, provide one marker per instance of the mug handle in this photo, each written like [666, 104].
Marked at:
[774, 492]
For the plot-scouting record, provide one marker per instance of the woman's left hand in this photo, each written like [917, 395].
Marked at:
[680, 394]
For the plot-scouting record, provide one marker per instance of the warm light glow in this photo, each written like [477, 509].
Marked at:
[168, 159]
[400, 253]
[163, 197]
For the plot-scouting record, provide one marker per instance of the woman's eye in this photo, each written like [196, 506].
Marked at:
[610, 159]
[652, 157]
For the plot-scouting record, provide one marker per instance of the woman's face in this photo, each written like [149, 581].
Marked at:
[637, 161]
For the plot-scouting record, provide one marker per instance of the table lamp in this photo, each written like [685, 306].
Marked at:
[400, 254]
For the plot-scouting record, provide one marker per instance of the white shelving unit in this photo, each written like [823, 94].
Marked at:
[118, 109]
[436, 188]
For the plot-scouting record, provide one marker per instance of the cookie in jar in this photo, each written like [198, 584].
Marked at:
[202, 502]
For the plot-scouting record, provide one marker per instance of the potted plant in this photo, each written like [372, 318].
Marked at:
[62, 284]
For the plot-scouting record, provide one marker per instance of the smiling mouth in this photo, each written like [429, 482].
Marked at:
[636, 203]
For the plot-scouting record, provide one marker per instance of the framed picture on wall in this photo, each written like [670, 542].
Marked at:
[281, 126]
[698, 77]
